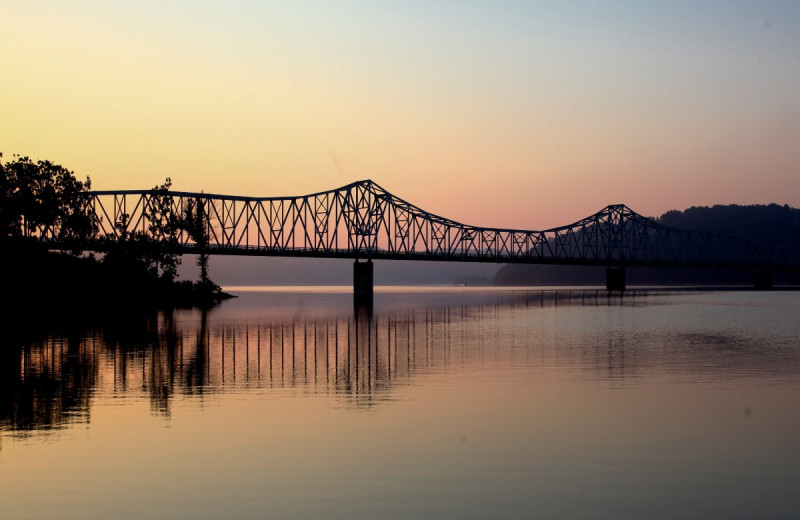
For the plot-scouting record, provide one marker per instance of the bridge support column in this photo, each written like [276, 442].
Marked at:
[362, 283]
[762, 279]
[615, 278]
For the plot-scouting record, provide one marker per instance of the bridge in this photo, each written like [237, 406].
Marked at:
[365, 222]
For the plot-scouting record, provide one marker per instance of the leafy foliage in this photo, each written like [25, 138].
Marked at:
[42, 196]
[193, 221]
[154, 250]
[42, 199]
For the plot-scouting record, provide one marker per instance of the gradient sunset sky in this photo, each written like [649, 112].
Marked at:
[512, 114]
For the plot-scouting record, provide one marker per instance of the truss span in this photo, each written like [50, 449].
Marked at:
[362, 220]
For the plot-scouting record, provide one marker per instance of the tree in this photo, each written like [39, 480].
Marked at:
[42, 198]
[194, 223]
[163, 226]
[156, 249]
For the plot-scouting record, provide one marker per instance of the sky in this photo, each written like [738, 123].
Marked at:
[507, 114]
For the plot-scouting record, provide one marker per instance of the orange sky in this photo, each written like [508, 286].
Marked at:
[494, 114]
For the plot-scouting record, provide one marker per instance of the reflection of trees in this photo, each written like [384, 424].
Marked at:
[196, 366]
[47, 384]
[142, 350]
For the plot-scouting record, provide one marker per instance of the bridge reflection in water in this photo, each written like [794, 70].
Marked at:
[358, 356]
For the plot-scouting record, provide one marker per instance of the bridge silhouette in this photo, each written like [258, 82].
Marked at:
[365, 222]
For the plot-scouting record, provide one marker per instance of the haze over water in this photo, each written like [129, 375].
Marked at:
[441, 403]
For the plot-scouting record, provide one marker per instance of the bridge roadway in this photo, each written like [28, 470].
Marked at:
[365, 222]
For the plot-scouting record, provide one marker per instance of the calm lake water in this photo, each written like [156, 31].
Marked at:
[441, 403]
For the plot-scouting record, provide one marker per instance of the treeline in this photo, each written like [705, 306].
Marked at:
[137, 268]
[770, 225]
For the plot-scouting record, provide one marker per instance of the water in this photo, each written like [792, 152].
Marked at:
[443, 403]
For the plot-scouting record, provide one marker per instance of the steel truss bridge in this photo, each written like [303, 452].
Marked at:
[364, 221]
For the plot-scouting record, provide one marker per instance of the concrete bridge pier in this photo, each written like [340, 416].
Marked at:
[762, 279]
[615, 278]
[362, 283]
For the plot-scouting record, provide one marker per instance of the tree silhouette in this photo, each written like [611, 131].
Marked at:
[40, 197]
[153, 250]
[194, 223]
[41, 201]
